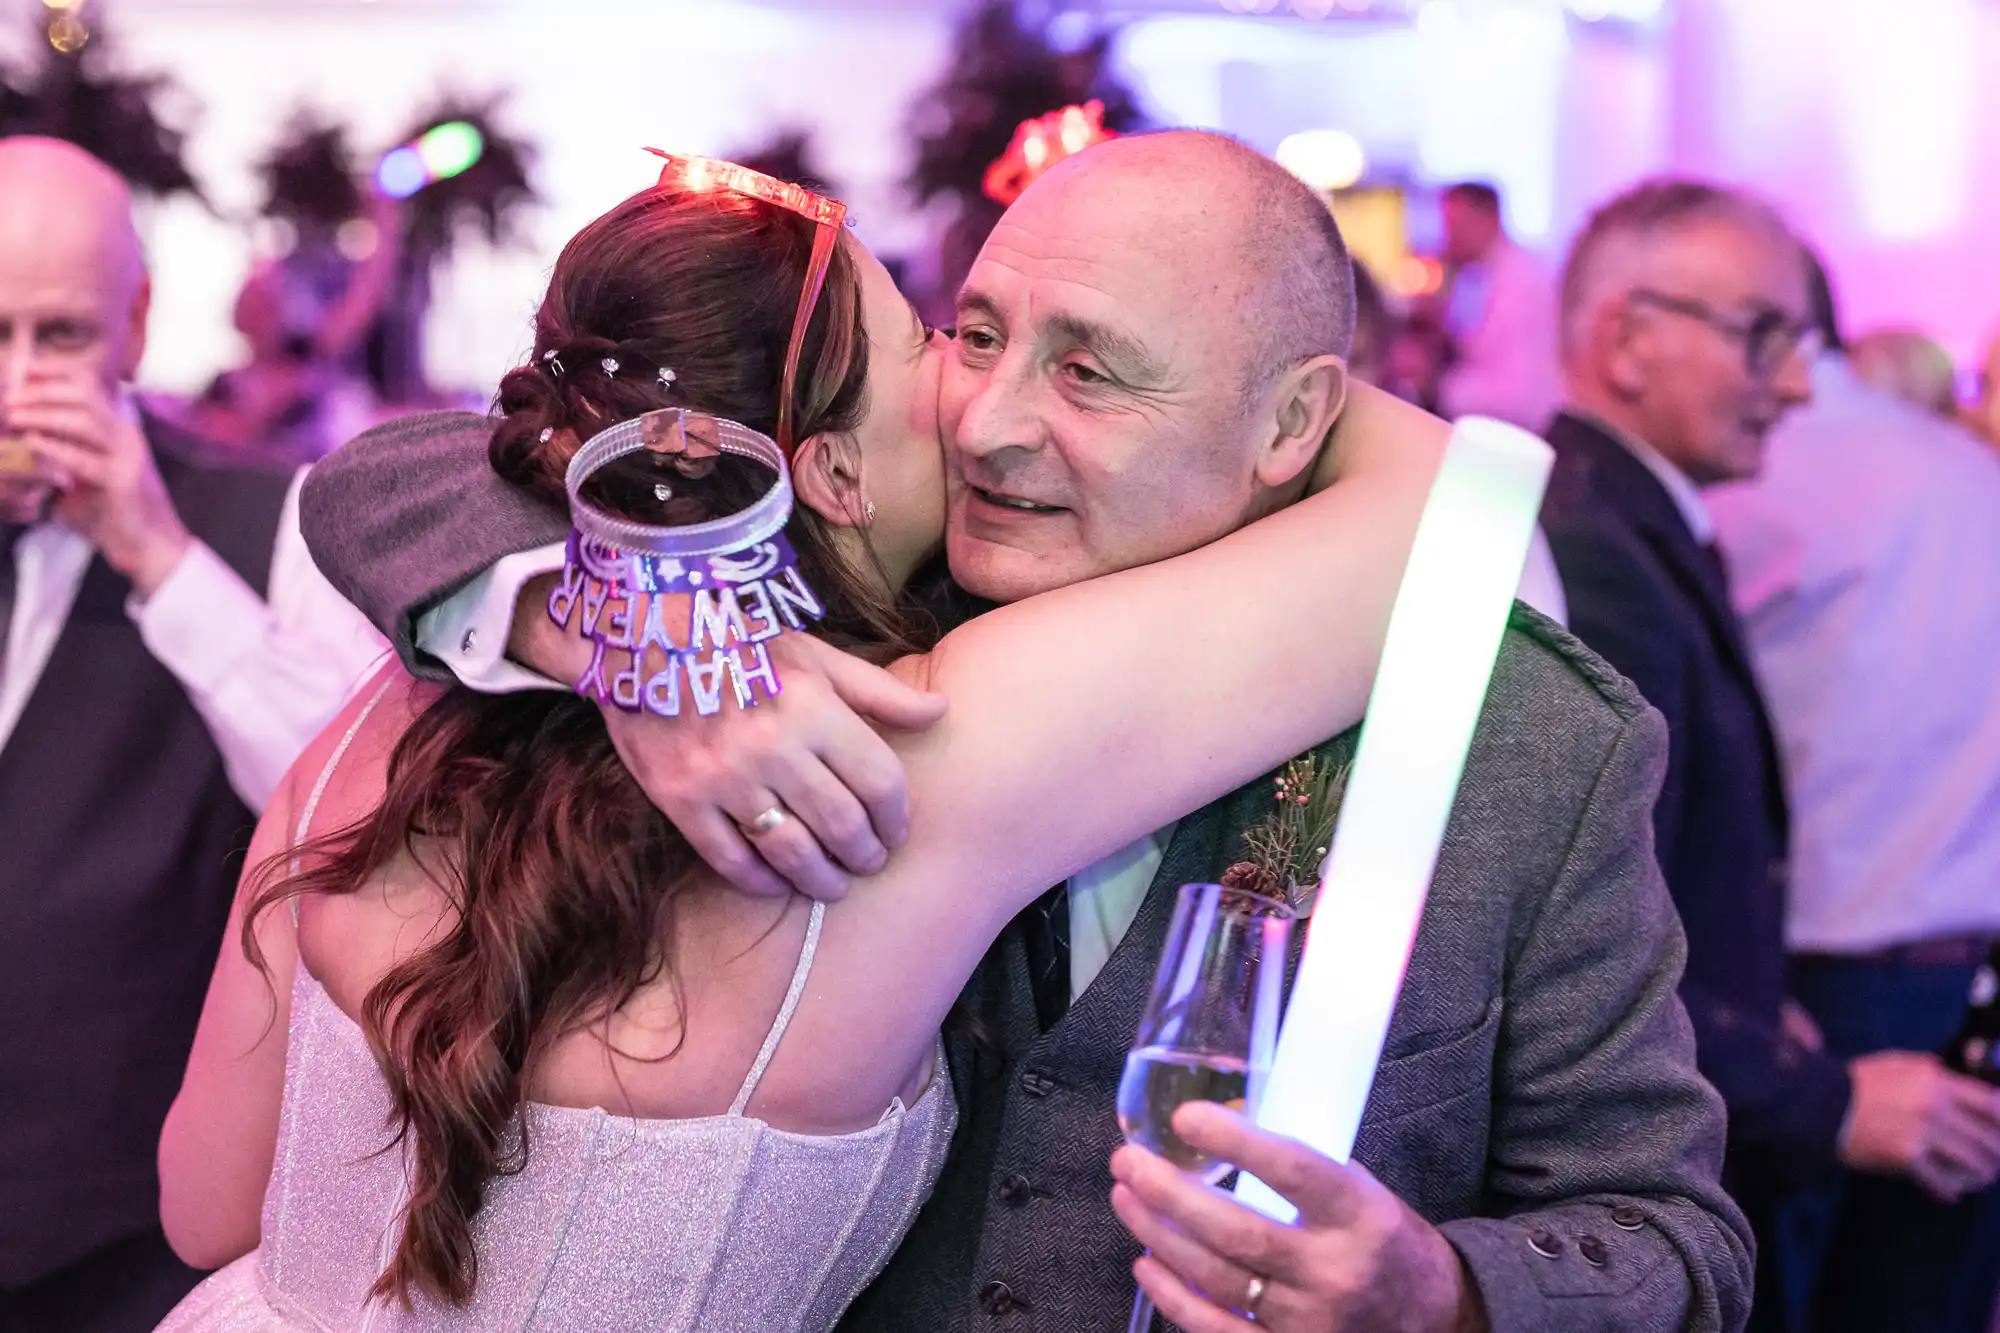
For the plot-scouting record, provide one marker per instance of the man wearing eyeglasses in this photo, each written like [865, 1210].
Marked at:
[1685, 338]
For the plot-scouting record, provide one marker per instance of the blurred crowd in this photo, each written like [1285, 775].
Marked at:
[1788, 538]
[1786, 534]
[1484, 341]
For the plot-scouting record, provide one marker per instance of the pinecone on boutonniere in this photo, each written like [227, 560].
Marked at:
[1283, 851]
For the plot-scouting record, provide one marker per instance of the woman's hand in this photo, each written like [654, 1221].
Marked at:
[1357, 1261]
[812, 754]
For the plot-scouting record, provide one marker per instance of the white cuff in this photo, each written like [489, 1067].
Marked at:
[201, 621]
[468, 631]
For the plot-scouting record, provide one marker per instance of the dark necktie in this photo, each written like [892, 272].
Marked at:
[10, 538]
[1045, 930]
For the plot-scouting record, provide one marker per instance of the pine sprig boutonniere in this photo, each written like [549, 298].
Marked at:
[1283, 851]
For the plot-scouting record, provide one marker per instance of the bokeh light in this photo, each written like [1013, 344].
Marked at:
[402, 173]
[1324, 159]
[450, 149]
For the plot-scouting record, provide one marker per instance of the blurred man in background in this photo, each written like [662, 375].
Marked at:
[1500, 310]
[1909, 365]
[1686, 336]
[1985, 416]
[1863, 558]
[166, 650]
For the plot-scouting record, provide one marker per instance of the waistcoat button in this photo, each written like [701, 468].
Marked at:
[997, 1298]
[1628, 1217]
[1545, 1242]
[1015, 1189]
[1593, 1251]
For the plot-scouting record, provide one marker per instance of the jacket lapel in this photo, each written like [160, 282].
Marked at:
[1616, 480]
[1620, 482]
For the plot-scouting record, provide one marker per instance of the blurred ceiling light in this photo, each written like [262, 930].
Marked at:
[1310, 9]
[1628, 11]
[1323, 159]
[401, 173]
[1419, 276]
[62, 4]
[1437, 18]
[67, 33]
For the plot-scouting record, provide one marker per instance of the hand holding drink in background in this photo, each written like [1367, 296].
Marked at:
[67, 451]
[24, 490]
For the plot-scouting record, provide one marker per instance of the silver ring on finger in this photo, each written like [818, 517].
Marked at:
[768, 822]
[1251, 1295]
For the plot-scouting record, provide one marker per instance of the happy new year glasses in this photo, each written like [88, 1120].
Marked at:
[706, 173]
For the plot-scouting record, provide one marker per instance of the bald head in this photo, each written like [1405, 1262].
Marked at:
[1909, 365]
[1148, 357]
[53, 194]
[1985, 415]
[1227, 219]
[72, 277]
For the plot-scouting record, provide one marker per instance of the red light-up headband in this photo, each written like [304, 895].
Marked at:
[700, 174]
[1041, 143]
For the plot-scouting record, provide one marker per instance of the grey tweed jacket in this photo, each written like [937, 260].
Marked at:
[1538, 1098]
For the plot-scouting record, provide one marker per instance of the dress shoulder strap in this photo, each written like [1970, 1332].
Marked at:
[326, 776]
[785, 1011]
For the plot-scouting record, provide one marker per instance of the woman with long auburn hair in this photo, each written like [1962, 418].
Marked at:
[491, 1048]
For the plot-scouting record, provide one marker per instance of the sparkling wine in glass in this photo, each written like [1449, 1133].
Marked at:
[1210, 1026]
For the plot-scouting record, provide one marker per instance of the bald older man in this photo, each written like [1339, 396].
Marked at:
[166, 649]
[1539, 1152]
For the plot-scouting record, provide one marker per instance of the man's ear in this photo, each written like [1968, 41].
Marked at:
[1623, 344]
[826, 474]
[135, 337]
[1306, 403]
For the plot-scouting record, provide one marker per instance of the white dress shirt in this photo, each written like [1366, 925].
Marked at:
[265, 676]
[1503, 316]
[1865, 561]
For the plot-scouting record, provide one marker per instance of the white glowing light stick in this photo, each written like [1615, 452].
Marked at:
[1444, 633]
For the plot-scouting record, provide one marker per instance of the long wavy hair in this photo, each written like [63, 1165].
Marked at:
[561, 877]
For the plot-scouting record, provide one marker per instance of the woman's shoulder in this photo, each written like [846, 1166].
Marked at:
[353, 749]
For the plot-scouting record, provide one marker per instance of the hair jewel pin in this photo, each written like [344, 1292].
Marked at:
[553, 360]
[739, 572]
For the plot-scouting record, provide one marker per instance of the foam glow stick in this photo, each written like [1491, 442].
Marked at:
[1444, 633]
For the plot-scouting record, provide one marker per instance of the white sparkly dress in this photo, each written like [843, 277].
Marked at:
[720, 1223]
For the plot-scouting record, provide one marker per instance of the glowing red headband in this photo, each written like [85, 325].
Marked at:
[701, 174]
[1041, 143]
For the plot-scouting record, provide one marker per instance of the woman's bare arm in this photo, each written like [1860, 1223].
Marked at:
[222, 1132]
[1084, 718]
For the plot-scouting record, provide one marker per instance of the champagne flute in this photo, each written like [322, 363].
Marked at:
[1210, 1026]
